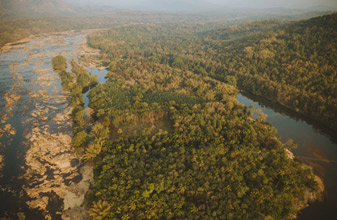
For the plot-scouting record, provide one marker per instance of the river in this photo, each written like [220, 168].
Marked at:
[100, 79]
[314, 146]
[35, 134]
[38, 167]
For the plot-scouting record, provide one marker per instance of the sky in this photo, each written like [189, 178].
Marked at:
[204, 4]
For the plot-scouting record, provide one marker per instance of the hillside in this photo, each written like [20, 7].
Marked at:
[290, 63]
[294, 64]
[35, 7]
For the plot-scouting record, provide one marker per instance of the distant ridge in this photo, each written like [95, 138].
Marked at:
[39, 7]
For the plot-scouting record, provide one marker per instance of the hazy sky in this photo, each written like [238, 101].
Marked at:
[209, 3]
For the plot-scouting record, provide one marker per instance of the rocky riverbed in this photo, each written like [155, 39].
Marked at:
[40, 174]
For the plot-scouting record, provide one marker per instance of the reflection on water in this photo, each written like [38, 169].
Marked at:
[314, 147]
[100, 79]
[100, 73]
[31, 99]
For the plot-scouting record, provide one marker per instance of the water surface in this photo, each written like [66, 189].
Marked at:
[100, 79]
[314, 146]
[31, 97]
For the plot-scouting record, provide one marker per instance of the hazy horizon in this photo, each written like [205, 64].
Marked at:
[200, 5]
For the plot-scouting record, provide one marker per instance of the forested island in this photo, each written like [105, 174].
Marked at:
[169, 139]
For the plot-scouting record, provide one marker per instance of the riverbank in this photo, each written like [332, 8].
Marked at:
[309, 196]
[20, 43]
[298, 116]
[15, 45]
[314, 147]
[53, 168]
[283, 109]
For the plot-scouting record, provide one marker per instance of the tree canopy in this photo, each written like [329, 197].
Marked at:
[179, 146]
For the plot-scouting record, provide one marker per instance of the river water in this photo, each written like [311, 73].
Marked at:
[100, 79]
[314, 146]
[37, 163]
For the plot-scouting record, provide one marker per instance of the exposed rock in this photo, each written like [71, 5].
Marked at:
[9, 129]
[56, 178]
[289, 153]
[75, 193]
[18, 44]
[74, 206]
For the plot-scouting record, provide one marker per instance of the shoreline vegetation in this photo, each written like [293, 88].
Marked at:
[20, 42]
[75, 83]
[94, 144]
[146, 72]
[165, 135]
[140, 119]
[284, 109]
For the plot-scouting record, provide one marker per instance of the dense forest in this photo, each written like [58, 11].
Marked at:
[75, 83]
[203, 157]
[14, 28]
[294, 65]
[166, 133]
[291, 63]
[169, 139]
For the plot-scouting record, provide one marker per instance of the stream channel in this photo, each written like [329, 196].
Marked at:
[100, 79]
